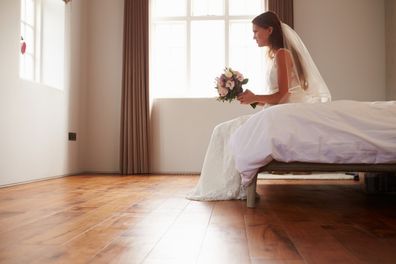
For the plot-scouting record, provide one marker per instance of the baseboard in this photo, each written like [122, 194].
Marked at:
[177, 173]
[100, 173]
[38, 180]
[97, 173]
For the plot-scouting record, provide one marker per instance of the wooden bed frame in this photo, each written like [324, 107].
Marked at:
[314, 167]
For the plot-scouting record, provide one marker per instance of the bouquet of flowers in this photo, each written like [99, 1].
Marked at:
[229, 85]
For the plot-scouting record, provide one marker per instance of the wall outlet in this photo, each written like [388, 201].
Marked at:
[72, 136]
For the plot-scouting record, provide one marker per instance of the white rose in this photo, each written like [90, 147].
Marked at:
[230, 84]
[228, 73]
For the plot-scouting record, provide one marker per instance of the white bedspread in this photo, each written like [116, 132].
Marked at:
[336, 132]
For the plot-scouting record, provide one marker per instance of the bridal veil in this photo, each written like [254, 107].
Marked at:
[304, 67]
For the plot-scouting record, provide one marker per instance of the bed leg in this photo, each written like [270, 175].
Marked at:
[251, 193]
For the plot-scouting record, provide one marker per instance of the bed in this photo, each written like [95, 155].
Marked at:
[338, 136]
[313, 167]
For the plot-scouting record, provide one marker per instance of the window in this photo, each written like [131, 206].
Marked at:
[42, 41]
[28, 39]
[192, 41]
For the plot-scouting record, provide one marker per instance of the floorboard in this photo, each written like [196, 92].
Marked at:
[146, 219]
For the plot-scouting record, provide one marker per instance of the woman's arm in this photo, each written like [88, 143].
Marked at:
[283, 61]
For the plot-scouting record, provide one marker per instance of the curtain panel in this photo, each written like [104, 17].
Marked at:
[134, 145]
[284, 9]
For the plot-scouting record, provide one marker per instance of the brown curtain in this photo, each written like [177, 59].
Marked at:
[134, 147]
[284, 9]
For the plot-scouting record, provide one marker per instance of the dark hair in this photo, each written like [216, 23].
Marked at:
[276, 41]
[270, 19]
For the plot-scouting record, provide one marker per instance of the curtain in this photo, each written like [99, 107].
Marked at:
[134, 143]
[284, 9]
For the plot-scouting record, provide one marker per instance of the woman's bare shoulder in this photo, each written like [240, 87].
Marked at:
[283, 55]
[283, 52]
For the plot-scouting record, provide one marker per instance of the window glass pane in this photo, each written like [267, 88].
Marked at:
[29, 18]
[23, 33]
[164, 8]
[168, 56]
[207, 7]
[27, 67]
[23, 7]
[189, 51]
[53, 43]
[27, 60]
[28, 36]
[207, 56]
[245, 7]
[22, 66]
[246, 57]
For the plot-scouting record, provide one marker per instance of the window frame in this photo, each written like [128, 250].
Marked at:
[35, 55]
[188, 19]
[38, 53]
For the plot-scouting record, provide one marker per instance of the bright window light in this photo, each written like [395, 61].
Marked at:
[42, 42]
[193, 40]
[207, 57]
[207, 8]
[27, 58]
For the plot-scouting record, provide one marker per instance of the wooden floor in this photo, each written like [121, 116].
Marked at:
[146, 219]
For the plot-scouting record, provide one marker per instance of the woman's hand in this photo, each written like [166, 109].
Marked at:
[247, 97]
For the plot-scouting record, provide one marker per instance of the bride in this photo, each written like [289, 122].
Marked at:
[293, 77]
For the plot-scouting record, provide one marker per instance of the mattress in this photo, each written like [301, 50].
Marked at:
[344, 132]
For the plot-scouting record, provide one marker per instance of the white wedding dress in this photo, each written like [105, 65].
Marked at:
[219, 179]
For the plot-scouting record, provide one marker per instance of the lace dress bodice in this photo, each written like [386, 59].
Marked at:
[296, 92]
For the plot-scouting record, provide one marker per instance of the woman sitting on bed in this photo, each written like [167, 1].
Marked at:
[293, 77]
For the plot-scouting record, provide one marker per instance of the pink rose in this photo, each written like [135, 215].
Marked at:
[222, 91]
[239, 76]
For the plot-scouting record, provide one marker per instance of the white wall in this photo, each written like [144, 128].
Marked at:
[35, 119]
[181, 129]
[347, 41]
[391, 49]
